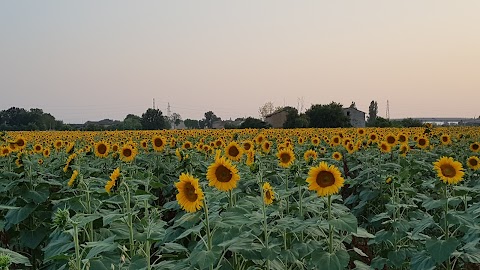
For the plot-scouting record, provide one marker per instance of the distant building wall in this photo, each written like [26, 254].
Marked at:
[357, 118]
[277, 119]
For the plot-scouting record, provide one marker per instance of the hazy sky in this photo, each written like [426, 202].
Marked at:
[90, 60]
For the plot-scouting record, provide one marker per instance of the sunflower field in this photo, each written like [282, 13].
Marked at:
[241, 199]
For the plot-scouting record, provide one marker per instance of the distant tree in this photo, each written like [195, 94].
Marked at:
[267, 108]
[153, 119]
[210, 117]
[20, 119]
[372, 113]
[381, 122]
[294, 120]
[251, 122]
[189, 123]
[175, 119]
[409, 122]
[132, 122]
[327, 116]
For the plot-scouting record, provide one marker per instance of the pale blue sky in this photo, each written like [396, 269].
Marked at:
[90, 60]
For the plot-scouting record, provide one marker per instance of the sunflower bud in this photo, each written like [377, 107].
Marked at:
[5, 261]
[61, 217]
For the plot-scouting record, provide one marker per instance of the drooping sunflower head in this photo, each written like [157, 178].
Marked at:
[325, 180]
[222, 174]
[73, 178]
[475, 147]
[473, 163]
[449, 170]
[285, 157]
[268, 195]
[337, 156]
[266, 146]
[113, 182]
[301, 140]
[190, 195]
[404, 149]
[233, 151]
[46, 152]
[158, 143]
[250, 157]
[101, 149]
[310, 155]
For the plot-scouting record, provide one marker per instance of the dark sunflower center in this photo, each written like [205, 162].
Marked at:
[384, 147]
[223, 174]
[187, 145]
[190, 192]
[158, 142]
[267, 146]
[20, 142]
[402, 138]
[448, 170]
[391, 139]
[473, 162]
[218, 143]
[268, 195]
[422, 142]
[285, 157]
[247, 146]
[102, 149]
[127, 152]
[233, 151]
[325, 179]
[475, 146]
[38, 148]
[445, 139]
[336, 140]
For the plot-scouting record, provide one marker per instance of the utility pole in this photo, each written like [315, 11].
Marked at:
[388, 111]
[168, 110]
[154, 103]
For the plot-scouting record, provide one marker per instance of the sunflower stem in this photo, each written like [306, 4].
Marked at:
[330, 227]
[129, 220]
[207, 225]
[446, 221]
[300, 194]
[265, 228]
[78, 259]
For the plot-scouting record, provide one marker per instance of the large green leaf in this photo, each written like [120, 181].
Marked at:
[422, 261]
[32, 239]
[15, 257]
[346, 222]
[337, 260]
[195, 229]
[15, 216]
[59, 244]
[441, 250]
[100, 246]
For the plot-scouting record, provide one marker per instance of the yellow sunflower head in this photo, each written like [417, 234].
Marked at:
[250, 157]
[285, 157]
[449, 170]
[233, 151]
[402, 138]
[101, 149]
[473, 163]
[268, 195]
[385, 147]
[128, 152]
[423, 142]
[247, 145]
[158, 143]
[266, 146]
[391, 139]
[337, 156]
[310, 155]
[222, 174]
[73, 178]
[475, 147]
[37, 148]
[46, 152]
[325, 180]
[445, 139]
[404, 149]
[21, 142]
[187, 145]
[190, 194]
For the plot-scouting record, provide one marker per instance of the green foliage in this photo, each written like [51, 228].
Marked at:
[327, 116]
[153, 119]
[251, 122]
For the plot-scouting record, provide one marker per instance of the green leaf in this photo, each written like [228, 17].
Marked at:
[420, 225]
[362, 233]
[174, 247]
[204, 258]
[441, 250]
[15, 216]
[195, 229]
[397, 257]
[361, 266]
[422, 261]
[346, 222]
[270, 253]
[15, 257]
[98, 265]
[333, 261]
[37, 196]
[60, 243]
[100, 246]
[8, 207]
[32, 239]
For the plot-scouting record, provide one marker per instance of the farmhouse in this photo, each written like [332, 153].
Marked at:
[357, 117]
[277, 118]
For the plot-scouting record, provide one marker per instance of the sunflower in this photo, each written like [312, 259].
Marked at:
[259, 139]
[325, 180]
[268, 195]
[404, 149]
[222, 174]
[233, 151]
[285, 157]
[385, 147]
[69, 147]
[158, 143]
[101, 149]
[58, 144]
[250, 157]
[38, 148]
[247, 145]
[144, 145]
[187, 145]
[70, 159]
[388, 180]
[373, 137]
[310, 155]
[448, 170]
[391, 139]
[445, 139]
[402, 138]
[46, 152]
[336, 140]
[266, 145]
[4, 151]
[40, 161]
[128, 152]
[190, 194]
[113, 180]
[473, 163]
[315, 141]
[361, 131]
[21, 142]
[423, 142]
[73, 178]
[337, 156]
[475, 147]
[301, 140]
